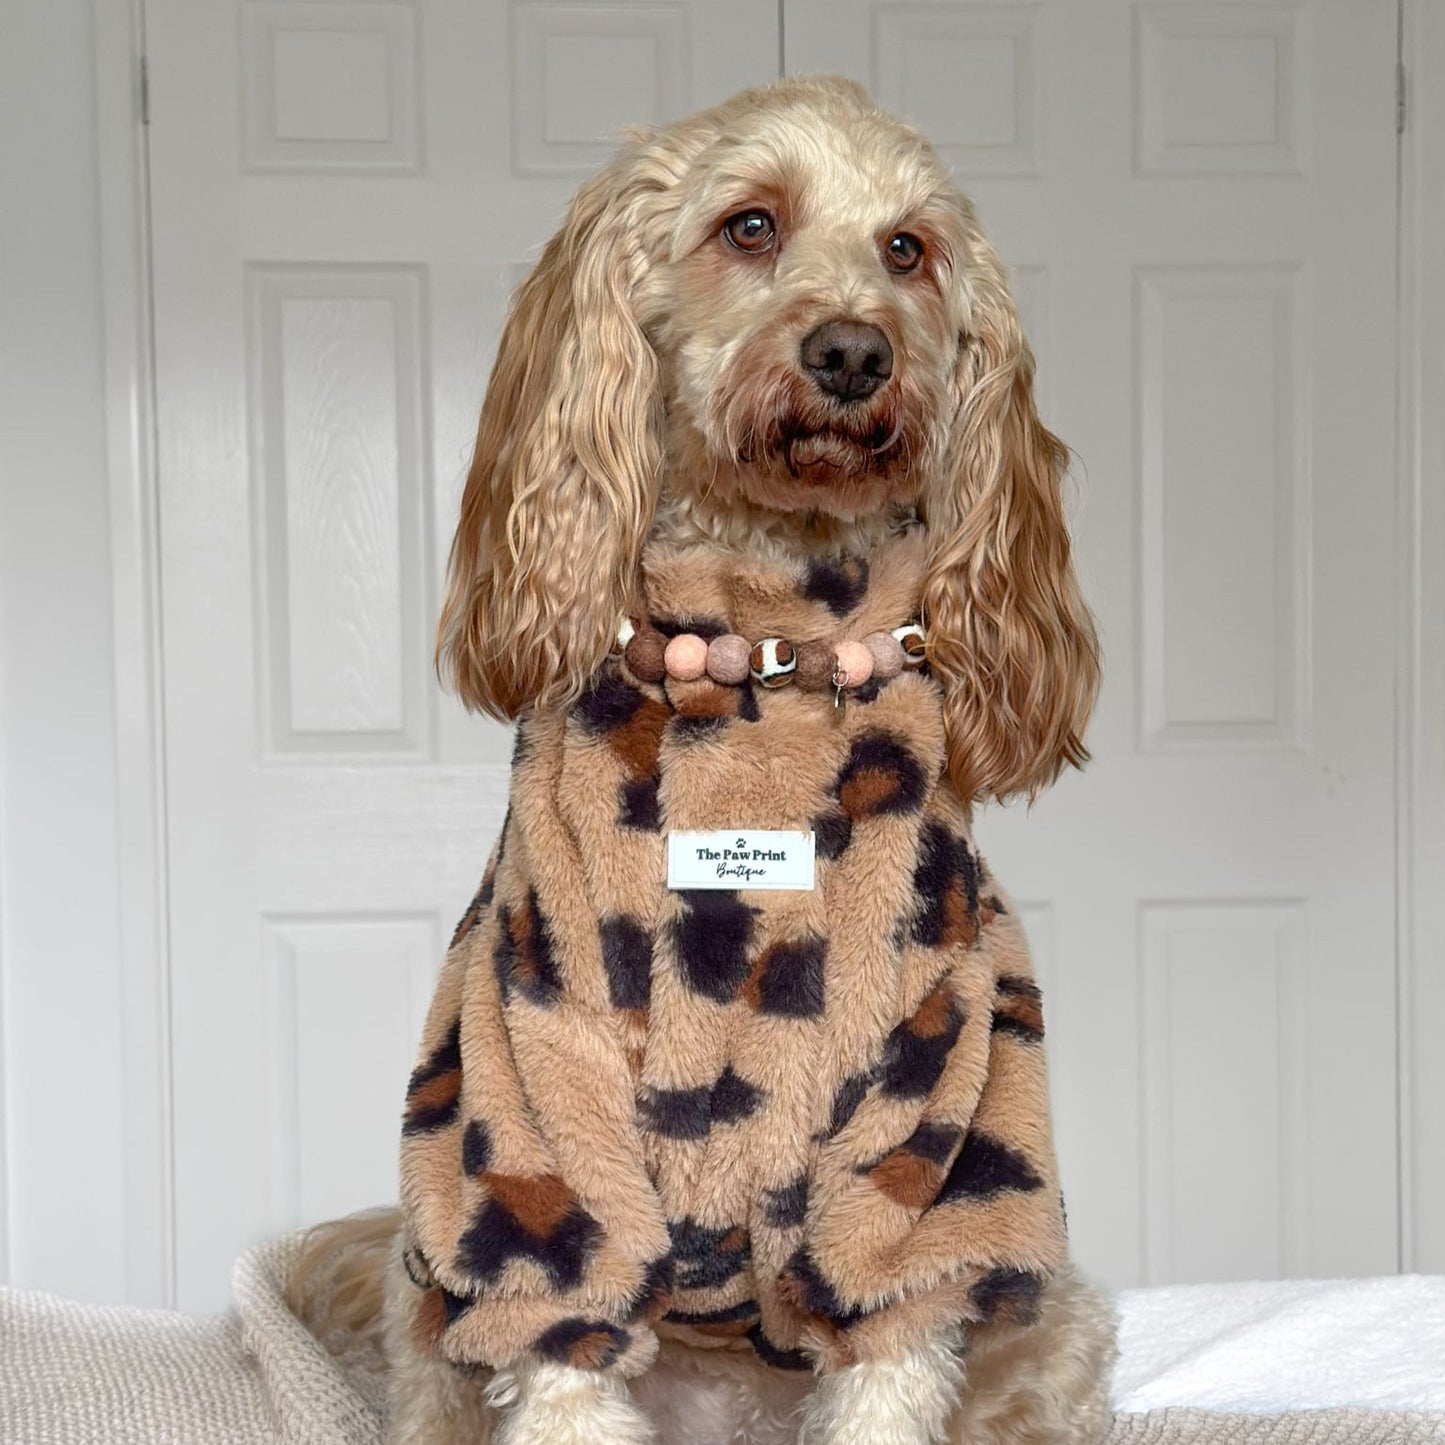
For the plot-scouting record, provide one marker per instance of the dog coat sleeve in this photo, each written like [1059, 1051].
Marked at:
[934, 1200]
[531, 1221]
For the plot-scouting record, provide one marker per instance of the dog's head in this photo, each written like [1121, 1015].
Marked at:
[782, 306]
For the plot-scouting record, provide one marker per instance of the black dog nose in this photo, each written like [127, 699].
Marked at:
[848, 359]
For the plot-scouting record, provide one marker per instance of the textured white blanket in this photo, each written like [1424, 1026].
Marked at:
[88, 1375]
[1263, 1348]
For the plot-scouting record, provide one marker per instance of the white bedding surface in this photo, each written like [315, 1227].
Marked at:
[1270, 1364]
[1284, 1345]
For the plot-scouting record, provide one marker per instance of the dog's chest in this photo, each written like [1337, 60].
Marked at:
[752, 1108]
[750, 1011]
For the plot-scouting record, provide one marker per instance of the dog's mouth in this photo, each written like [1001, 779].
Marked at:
[819, 454]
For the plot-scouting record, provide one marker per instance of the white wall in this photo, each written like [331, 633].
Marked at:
[60, 997]
[1422, 792]
[63, 1100]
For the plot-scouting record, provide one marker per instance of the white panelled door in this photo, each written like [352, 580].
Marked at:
[344, 194]
[1198, 200]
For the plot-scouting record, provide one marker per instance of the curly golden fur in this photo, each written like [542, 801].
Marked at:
[1045, 1384]
[648, 381]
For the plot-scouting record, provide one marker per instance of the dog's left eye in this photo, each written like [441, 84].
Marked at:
[750, 231]
[903, 251]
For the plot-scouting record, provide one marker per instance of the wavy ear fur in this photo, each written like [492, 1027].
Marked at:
[1010, 637]
[563, 478]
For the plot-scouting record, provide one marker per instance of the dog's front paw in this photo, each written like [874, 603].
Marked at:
[546, 1404]
[906, 1401]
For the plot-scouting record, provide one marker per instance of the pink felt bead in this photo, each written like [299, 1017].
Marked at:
[855, 660]
[686, 657]
[727, 658]
[887, 655]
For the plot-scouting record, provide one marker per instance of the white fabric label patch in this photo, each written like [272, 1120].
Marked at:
[743, 858]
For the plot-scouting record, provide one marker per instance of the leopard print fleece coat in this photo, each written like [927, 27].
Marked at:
[813, 1124]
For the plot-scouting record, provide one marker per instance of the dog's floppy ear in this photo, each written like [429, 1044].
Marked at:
[1009, 635]
[563, 479]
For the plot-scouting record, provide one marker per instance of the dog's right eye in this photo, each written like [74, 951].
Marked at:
[752, 231]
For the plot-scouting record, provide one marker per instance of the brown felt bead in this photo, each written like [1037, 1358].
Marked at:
[644, 655]
[887, 655]
[727, 659]
[815, 665]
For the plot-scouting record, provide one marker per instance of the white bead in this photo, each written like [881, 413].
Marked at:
[773, 662]
[912, 640]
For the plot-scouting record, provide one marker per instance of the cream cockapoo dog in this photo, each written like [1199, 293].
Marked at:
[774, 335]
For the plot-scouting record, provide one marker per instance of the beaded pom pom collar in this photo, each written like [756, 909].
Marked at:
[773, 662]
